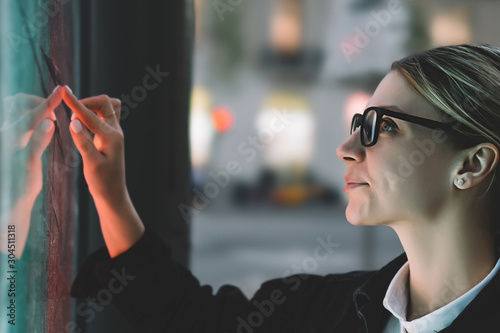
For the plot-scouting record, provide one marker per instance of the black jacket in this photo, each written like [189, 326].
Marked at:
[156, 294]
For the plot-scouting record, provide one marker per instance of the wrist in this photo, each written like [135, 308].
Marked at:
[120, 224]
[115, 200]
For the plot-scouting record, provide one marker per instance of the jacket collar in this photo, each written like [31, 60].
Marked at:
[480, 315]
[369, 296]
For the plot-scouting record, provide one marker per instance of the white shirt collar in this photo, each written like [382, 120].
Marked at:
[396, 301]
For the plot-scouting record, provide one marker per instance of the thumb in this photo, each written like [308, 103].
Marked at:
[83, 140]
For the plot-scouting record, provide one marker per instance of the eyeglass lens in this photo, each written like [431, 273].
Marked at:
[368, 126]
[356, 121]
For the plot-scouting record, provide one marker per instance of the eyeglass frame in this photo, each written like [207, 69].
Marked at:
[399, 115]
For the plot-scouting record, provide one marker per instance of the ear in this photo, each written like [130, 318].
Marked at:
[476, 164]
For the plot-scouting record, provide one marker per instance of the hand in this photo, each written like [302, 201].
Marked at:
[25, 132]
[103, 155]
[104, 167]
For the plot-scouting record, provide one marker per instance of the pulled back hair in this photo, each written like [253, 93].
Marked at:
[462, 82]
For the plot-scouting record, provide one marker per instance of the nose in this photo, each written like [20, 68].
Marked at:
[351, 149]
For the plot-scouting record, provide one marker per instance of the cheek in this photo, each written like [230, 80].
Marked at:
[415, 182]
[412, 183]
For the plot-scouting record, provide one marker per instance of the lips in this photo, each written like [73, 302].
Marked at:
[353, 180]
[352, 183]
[351, 186]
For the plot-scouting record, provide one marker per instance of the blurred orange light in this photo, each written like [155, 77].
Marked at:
[222, 119]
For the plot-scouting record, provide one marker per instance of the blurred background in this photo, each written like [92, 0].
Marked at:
[232, 111]
[275, 84]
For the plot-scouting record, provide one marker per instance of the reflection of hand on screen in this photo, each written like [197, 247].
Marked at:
[26, 129]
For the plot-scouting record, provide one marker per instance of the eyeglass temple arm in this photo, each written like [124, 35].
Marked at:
[418, 120]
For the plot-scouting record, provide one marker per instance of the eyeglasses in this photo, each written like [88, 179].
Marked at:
[371, 119]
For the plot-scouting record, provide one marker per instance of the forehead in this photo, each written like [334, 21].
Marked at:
[394, 90]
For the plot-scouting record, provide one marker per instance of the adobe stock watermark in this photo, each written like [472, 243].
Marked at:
[416, 157]
[248, 148]
[87, 309]
[139, 93]
[153, 78]
[223, 6]
[372, 29]
[449, 292]
[427, 147]
[266, 307]
[40, 19]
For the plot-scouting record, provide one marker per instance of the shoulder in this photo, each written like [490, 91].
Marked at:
[308, 290]
[308, 303]
[304, 282]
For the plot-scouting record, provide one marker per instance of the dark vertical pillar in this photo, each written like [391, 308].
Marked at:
[141, 52]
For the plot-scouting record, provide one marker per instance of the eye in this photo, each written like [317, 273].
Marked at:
[388, 125]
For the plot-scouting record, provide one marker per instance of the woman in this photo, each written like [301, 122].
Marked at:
[421, 159]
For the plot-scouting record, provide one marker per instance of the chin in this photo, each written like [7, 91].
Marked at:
[359, 222]
[355, 216]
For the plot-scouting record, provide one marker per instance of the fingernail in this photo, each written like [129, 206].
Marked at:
[69, 89]
[73, 116]
[53, 116]
[47, 125]
[76, 126]
[57, 87]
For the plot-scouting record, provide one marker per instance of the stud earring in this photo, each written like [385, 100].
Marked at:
[460, 181]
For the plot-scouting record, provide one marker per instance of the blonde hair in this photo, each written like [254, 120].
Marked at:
[463, 83]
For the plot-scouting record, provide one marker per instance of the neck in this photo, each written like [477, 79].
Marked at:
[445, 261]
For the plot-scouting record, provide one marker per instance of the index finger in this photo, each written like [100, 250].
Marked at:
[17, 106]
[89, 118]
[117, 106]
[35, 116]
